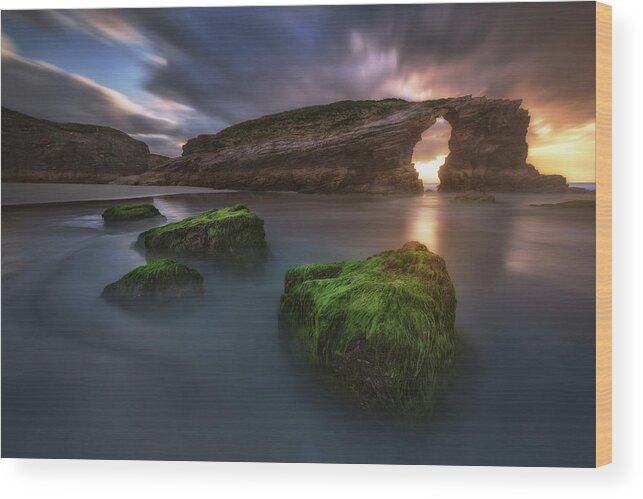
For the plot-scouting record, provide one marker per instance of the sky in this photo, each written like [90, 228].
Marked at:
[166, 75]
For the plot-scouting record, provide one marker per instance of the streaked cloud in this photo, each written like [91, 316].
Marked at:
[204, 69]
[44, 90]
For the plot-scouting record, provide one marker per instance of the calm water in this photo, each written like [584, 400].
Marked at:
[82, 378]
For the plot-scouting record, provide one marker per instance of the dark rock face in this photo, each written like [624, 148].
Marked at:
[364, 146]
[488, 150]
[350, 146]
[345, 147]
[35, 150]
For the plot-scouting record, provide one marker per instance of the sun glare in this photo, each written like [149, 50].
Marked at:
[428, 170]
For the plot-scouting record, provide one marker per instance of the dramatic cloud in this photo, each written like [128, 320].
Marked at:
[41, 89]
[224, 65]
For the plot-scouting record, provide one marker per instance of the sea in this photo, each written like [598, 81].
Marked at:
[219, 380]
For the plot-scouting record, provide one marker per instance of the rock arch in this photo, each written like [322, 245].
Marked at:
[488, 150]
[364, 146]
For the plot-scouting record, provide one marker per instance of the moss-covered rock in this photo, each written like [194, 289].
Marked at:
[385, 325]
[225, 230]
[158, 279]
[576, 203]
[475, 197]
[124, 212]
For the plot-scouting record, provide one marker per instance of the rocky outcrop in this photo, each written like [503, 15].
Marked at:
[233, 230]
[345, 147]
[488, 150]
[364, 146]
[349, 146]
[35, 150]
[475, 197]
[160, 279]
[157, 160]
[128, 212]
[383, 325]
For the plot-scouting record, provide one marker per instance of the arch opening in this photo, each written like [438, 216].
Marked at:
[430, 153]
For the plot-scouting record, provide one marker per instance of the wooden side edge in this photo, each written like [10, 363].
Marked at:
[603, 234]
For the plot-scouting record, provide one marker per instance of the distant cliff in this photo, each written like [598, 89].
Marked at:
[35, 150]
[344, 147]
[488, 150]
[364, 146]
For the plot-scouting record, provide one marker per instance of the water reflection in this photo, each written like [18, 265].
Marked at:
[83, 378]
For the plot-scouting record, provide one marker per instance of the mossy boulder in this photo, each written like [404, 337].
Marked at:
[225, 230]
[125, 212]
[576, 203]
[475, 197]
[384, 325]
[158, 279]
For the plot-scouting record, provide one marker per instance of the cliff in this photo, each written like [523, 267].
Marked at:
[364, 146]
[344, 147]
[35, 150]
[488, 150]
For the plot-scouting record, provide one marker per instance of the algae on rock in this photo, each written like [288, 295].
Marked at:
[158, 279]
[124, 212]
[385, 325]
[225, 230]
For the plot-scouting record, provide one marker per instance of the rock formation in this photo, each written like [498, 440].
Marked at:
[231, 230]
[488, 150]
[158, 279]
[364, 146]
[35, 150]
[344, 147]
[126, 212]
[384, 325]
[475, 197]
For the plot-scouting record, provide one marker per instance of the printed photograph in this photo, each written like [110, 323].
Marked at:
[319, 234]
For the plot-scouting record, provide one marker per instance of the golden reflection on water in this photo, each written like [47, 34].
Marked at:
[524, 253]
[424, 223]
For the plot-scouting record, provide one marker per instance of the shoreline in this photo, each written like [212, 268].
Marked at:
[25, 194]
[30, 194]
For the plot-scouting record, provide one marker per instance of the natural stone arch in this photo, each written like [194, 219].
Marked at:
[348, 146]
[364, 146]
[430, 153]
[488, 150]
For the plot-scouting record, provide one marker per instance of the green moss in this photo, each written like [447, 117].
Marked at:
[130, 212]
[576, 203]
[384, 324]
[158, 278]
[230, 229]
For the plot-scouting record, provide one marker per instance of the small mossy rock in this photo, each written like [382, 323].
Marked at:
[384, 325]
[226, 230]
[124, 212]
[576, 203]
[475, 197]
[158, 279]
